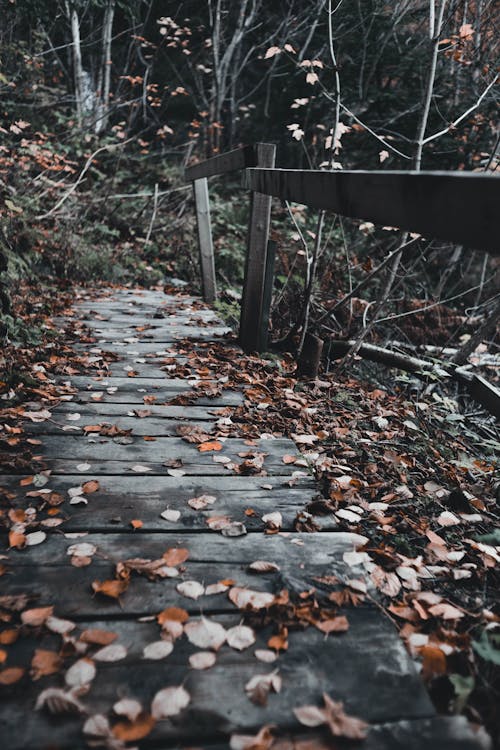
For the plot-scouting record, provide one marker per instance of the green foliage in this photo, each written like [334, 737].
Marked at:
[488, 646]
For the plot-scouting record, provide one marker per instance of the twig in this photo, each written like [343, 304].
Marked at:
[153, 215]
[81, 175]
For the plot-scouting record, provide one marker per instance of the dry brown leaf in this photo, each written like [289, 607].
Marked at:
[172, 614]
[334, 716]
[98, 637]
[433, 661]
[334, 625]
[44, 663]
[129, 731]
[112, 588]
[136, 523]
[36, 616]
[210, 445]
[259, 687]
[91, 486]
[11, 675]
[261, 741]
[175, 556]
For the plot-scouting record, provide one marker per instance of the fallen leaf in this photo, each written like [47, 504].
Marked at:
[202, 660]
[263, 566]
[334, 716]
[114, 652]
[248, 599]
[240, 637]
[91, 486]
[128, 707]
[11, 675]
[259, 687]
[36, 616]
[170, 515]
[334, 625]
[136, 523]
[205, 633]
[211, 445]
[261, 741]
[98, 637]
[191, 589]
[112, 588]
[81, 673]
[433, 661]
[169, 702]
[273, 520]
[45, 662]
[158, 650]
[201, 502]
[59, 701]
[234, 528]
[36, 537]
[137, 729]
[175, 556]
[265, 655]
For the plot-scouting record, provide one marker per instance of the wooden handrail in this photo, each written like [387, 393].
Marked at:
[459, 207]
[231, 161]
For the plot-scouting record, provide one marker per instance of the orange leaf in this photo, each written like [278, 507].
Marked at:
[334, 625]
[36, 616]
[25, 481]
[136, 524]
[16, 539]
[433, 661]
[172, 614]
[8, 636]
[210, 445]
[44, 663]
[112, 588]
[128, 731]
[11, 675]
[3, 655]
[175, 556]
[99, 637]
[92, 428]
[91, 486]
[279, 642]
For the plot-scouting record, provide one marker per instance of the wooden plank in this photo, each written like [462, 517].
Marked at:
[252, 305]
[228, 398]
[459, 207]
[97, 411]
[219, 705]
[205, 245]
[231, 161]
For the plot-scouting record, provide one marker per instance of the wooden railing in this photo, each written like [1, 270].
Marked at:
[255, 305]
[458, 207]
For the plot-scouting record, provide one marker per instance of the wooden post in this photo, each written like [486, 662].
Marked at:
[207, 264]
[267, 294]
[253, 321]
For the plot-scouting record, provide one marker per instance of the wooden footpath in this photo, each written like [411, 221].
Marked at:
[151, 482]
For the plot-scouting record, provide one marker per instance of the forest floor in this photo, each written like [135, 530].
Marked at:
[410, 470]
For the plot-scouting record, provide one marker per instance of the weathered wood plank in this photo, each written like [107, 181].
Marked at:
[107, 409]
[219, 705]
[426, 202]
[231, 161]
